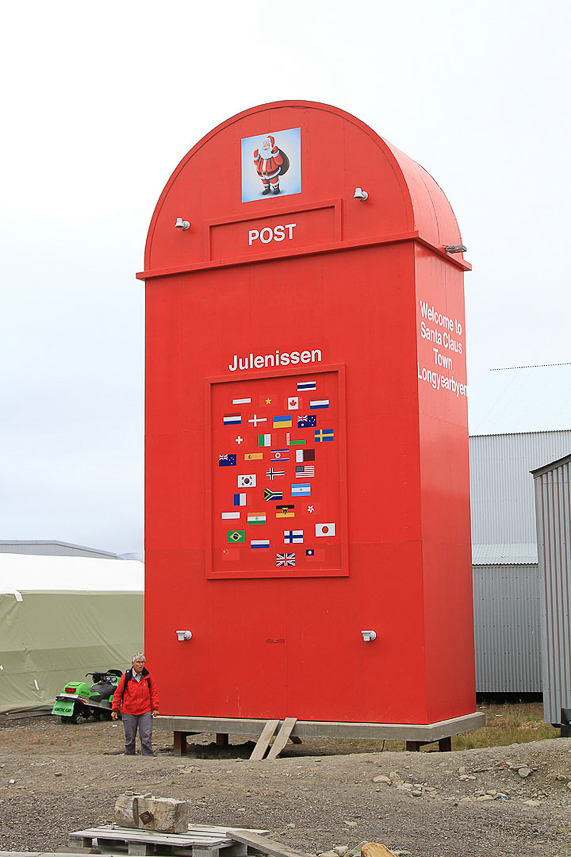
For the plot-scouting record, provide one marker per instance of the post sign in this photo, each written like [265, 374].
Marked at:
[306, 429]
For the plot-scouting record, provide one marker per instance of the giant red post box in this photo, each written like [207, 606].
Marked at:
[307, 493]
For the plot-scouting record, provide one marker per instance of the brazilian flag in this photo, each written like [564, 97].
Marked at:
[235, 536]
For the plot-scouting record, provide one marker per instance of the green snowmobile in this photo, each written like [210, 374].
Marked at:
[79, 700]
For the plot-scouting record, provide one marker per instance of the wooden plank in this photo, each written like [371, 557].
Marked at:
[263, 741]
[224, 830]
[282, 737]
[124, 835]
[266, 846]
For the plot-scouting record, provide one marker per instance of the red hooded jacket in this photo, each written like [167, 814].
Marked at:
[137, 697]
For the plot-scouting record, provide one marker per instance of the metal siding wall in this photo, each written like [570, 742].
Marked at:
[501, 486]
[506, 629]
[553, 503]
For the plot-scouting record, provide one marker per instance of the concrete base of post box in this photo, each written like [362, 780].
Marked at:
[415, 734]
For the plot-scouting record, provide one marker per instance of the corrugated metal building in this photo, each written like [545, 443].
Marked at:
[520, 419]
[553, 506]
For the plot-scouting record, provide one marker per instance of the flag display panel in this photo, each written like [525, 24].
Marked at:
[311, 496]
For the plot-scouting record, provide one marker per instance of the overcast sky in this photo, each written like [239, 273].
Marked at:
[100, 101]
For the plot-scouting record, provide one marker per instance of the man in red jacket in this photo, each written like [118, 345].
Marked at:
[138, 699]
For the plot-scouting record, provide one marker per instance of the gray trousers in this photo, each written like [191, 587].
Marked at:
[142, 722]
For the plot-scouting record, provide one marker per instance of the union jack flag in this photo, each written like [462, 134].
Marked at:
[285, 559]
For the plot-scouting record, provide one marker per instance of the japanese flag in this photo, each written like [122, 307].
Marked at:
[325, 529]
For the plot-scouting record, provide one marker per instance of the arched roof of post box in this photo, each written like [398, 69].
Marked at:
[205, 186]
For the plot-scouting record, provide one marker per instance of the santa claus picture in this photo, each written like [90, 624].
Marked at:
[271, 165]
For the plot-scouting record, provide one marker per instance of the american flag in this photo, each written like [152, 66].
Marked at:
[285, 559]
[303, 470]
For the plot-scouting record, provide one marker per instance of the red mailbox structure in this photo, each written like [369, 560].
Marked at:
[307, 493]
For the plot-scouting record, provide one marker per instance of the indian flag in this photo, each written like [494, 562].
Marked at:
[256, 519]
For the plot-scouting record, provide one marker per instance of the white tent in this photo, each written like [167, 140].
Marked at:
[61, 617]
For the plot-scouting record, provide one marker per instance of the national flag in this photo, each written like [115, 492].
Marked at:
[301, 490]
[283, 559]
[247, 480]
[235, 536]
[264, 440]
[231, 554]
[273, 495]
[256, 419]
[319, 404]
[228, 516]
[232, 419]
[323, 435]
[259, 543]
[285, 511]
[293, 537]
[293, 403]
[241, 401]
[305, 455]
[325, 529]
[291, 442]
[305, 385]
[302, 470]
[307, 421]
[239, 499]
[280, 455]
[253, 456]
[227, 460]
[256, 518]
[315, 555]
[271, 473]
[283, 421]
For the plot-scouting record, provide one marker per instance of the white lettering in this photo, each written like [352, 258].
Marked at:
[277, 358]
[267, 235]
[430, 333]
[436, 317]
[441, 382]
[442, 359]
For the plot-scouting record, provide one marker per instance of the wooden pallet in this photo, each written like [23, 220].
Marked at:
[199, 841]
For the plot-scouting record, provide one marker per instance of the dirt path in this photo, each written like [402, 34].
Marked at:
[501, 801]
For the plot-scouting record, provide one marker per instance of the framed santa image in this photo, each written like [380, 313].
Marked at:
[271, 164]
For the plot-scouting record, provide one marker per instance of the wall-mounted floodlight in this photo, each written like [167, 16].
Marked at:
[182, 224]
[184, 635]
[455, 248]
[360, 194]
[369, 636]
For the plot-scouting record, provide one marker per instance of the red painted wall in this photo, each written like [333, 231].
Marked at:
[367, 296]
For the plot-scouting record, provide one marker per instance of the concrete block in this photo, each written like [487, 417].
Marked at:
[165, 815]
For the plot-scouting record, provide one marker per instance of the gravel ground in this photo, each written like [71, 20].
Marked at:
[504, 801]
